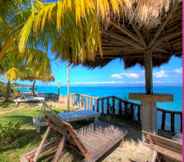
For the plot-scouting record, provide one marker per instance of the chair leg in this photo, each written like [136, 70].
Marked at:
[155, 157]
[41, 144]
[60, 149]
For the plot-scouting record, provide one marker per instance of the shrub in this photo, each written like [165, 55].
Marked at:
[8, 132]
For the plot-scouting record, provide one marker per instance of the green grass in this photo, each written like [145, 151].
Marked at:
[28, 137]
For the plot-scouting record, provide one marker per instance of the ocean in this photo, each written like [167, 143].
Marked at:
[119, 91]
[122, 92]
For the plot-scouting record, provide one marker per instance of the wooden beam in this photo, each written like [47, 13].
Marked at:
[60, 150]
[125, 31]
[38, 151]
[140, 36]
[166, 38]
[124, 40]
[148, 73]
[157, 34]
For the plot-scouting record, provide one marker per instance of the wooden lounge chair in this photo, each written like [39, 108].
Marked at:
[165, 150]
[92, 142]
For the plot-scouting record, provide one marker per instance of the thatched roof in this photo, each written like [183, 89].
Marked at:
[130, 42]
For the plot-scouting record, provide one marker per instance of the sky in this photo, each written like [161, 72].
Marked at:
[114, 74]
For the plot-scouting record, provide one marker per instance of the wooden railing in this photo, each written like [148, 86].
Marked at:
[172, 115]
[83, 101]
[112, 105]
[115, 106]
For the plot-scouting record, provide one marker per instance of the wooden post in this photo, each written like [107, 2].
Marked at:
[113, 105]
[132, 111]
[120, 108]
[148, 73]
[91, 102]
[97, 105]
[172, 122]
[139, 114]
[87, 103]
[68, 86]
[163, 120]
[102, 106]
[181, 121]
[108, 106]
[41, 144]
[148, 108]
[59, 151]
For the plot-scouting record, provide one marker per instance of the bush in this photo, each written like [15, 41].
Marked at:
[8, 132]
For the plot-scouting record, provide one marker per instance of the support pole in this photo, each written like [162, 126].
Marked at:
[148, 73]
[68, 86]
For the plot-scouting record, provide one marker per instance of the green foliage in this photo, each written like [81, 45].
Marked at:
[2, 89]
[8, 132]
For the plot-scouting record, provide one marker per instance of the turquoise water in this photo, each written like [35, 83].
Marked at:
[120, 92]
[123, 92]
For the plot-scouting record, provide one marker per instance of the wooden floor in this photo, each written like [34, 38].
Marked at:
[100, 137]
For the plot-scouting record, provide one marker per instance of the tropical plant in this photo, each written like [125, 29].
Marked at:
[8, 132]
[13, 14]
[33, 65]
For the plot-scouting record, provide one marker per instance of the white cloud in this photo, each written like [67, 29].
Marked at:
[126, 75]
[117, 76]
[178, 70]
[98, 83]
[160, 74]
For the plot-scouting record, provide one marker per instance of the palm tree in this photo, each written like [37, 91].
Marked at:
[33, 65]
[13, 14]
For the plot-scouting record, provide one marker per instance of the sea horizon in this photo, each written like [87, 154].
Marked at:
[119, 91]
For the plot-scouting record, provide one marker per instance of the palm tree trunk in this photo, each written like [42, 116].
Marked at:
[7, 91]
[33, 88]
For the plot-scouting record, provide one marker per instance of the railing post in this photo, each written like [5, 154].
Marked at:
[139, 114]
[108, 106]
[172, 122]
[113, 105]
[91, 103]
[181, 125]
[126, 108]
[120, 107]
[87, 103]
[163, 120]
[132, 111]
[97, 105]
[102, 106]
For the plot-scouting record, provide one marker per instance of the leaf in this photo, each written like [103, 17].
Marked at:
[25, 32]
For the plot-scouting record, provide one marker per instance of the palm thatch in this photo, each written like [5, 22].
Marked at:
[131, 43]
[75, 26]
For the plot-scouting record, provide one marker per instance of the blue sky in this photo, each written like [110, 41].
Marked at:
[115, 74]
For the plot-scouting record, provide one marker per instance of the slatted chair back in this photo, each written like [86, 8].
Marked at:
[165, 146]
[64, 128]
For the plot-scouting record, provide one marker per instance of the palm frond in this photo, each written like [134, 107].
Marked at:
[25, 32]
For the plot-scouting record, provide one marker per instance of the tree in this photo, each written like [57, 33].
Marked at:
[33, 65]
[13, 14]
